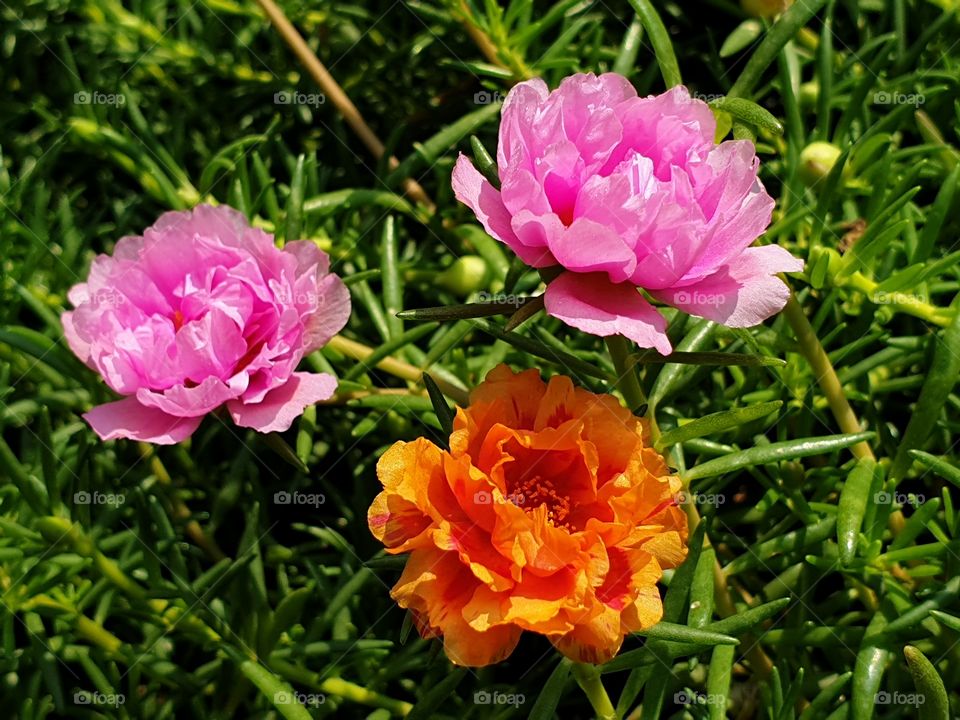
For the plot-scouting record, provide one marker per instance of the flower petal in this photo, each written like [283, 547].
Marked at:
[742, 293]
[476, 192]
[129, 419]
[333, 312]
[281, 406]
[587, 246]
[80, 347]
[590, 302]
[184, 401]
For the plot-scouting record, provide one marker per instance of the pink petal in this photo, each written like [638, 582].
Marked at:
[590, 118]
[194, 401]
[588, 246]
[309, 256]
[590, 302]
[476, 192]
[518, 124]
[333, 312]
[209, 347]
[80, 347]
[671, 129]
[742, 293]
[129, 419]
[277, 411]
[520, 190]
[534, 233]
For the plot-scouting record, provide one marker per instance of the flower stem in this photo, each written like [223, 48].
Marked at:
[338, 687]
[627, 381]
[902, 302]
[830, 385]
[826, 376]
[588, 677]
[398, 368]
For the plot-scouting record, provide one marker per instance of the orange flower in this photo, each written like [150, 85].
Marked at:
[549, 514]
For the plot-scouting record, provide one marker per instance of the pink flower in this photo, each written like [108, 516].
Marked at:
[202, 311]
[625, 192]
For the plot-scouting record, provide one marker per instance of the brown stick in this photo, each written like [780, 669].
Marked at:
[338, 97]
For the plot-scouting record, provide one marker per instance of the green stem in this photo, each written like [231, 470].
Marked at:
[902, 302]
[826, 376]
[398, 368]
[588, 677]
[338, 687]
[627, 381]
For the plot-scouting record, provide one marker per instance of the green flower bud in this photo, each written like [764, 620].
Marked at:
[467, 275]
[816, 161]
[809, 94]
[823, 265]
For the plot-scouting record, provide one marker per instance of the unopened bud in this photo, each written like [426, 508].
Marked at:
[467, 275]
[809, 94]
[823, 266]
[816, 161]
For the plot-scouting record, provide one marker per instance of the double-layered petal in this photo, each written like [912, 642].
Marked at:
[624, 192]
[200, 312]
[549, 514]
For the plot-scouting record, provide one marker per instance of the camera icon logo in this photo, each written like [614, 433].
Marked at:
[81, 497]
[282, 98]
[482, 697]
[282, 497]
[482, 497]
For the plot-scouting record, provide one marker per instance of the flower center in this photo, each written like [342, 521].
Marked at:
[530, 492]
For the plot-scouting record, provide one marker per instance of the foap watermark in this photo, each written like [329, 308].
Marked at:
[899, 698]
[82, 497]
[692, 697]
[489, 298]
[284, 697]
[295, 97]
[282, 497]
[898, 498]
[485, 497]
[898, 298]
[86, 697]
[485, 697]
[886, 97]
[484, 97]
[302, 297]
[685, 497]
[108, 297]
[695, 297]
[707, 97]
[96, 97]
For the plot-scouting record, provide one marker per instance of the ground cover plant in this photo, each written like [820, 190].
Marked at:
[792, 554]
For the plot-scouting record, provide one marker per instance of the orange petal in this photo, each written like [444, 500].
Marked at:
[398, 524]
[594, 641]
[436, 587]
